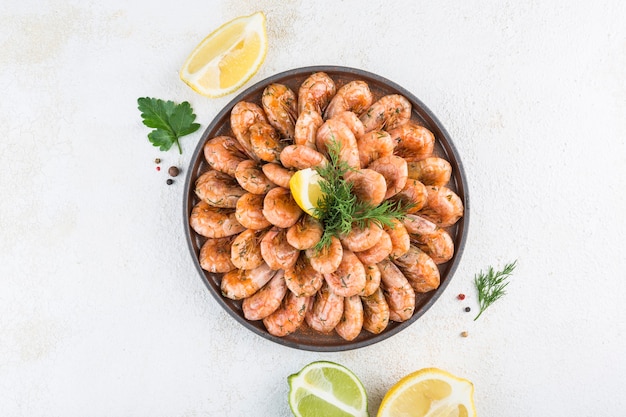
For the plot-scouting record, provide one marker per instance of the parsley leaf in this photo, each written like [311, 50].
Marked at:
[169, 120]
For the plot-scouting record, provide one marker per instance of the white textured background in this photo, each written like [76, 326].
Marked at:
[101, 310]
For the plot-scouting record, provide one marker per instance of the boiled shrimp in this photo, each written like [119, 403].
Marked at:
[398, 292]
[280, 209]
[443, 207]
[395, 171]
[419, 269]
[245, 251]
[413, 196]
[302, 279]
[288, 317]
[354, 96]
[372, 280]
[215, 255]
[327, 259]
[301, 157]
[431, 171]
[251, 178]
[242, 116]
[351, 322]
[242, 283]
[373, 145]
[280, 105]
[276, 251]
[306, 128]
[368, 185]
[223, 154]
[360, 239]
[326, 310]
[349, 278]
[277, 174]
[316, 92]
[334, 133]
[400, 239]
[375, 312]
[387, 113]
[352, 121]
[413, 142]
[265, 142]
[266, 300]
[430, 238]
[218, 189]
[378, 252]
[306, 233]
[212, 222]
[249, 212]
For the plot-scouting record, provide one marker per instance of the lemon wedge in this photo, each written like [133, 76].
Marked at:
[429, 392]
[227, 58]
[326, 389]
[306, 190]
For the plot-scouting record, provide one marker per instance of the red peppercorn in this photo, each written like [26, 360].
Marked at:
[461, 296]
[158, 168]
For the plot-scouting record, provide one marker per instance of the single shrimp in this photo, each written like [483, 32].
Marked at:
[349, 278]
[419, 269]
[242, 283]
[249, 212]
[218, 189]
[438, 245]
[413, 196]
[375, 312]
[280, 209]
[251, 178]
[327, 259]
[280, 105]
[334, 133]
[352, 121]
[302, 279]
[354, 96]
[288, 317]
[277, 174]
[276, 251]
[398, 292]
[395, 171]
[360, 239]
[351, 323]
[242, 116]
[266, 300]
[419, 226]
[265, 142]
[443, 207]
[315, 93]
[431, 171]
[372, 280]
[378, 252]
[368, 185]
[213, 222]
[306, 233]
[326, 311]
[215, 255]
[373, 145]
[223, 154]
[400, 239]
[387, 113]
[301, 157]
[306, 128]
[245, 251]
[413, 142]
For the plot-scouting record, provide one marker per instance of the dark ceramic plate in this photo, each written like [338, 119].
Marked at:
[305, 338]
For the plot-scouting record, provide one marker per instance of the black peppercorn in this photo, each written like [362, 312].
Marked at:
[169, 181]
[467, 309]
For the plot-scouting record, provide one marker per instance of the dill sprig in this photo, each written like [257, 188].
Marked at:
[339, 208]
[491, 286]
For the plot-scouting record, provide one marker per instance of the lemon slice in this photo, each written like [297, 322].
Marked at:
[326, 389]
[228, 57]
[429, 392]
[306, 190]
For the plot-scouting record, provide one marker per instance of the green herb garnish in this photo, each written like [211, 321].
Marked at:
[339, 208]
[169, 120]
[491, 286]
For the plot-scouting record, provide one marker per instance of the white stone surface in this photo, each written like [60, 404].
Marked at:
[101, 310]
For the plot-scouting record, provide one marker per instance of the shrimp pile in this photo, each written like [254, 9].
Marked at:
[264, 245]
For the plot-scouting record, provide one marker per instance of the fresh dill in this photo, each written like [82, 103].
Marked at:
[339, 209]
[491, 286]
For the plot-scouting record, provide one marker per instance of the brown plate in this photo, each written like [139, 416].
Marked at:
[305, 338]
